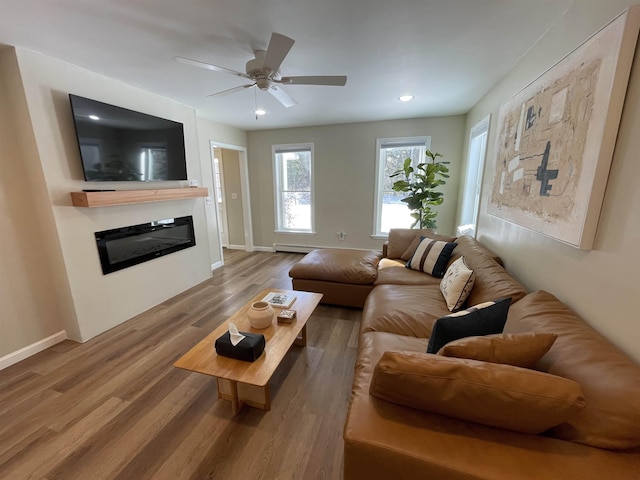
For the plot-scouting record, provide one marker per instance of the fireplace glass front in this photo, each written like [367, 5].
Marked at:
[127, 246]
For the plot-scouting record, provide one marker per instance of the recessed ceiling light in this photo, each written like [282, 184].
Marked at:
[405, 98]
[94, 117]
[260, 111]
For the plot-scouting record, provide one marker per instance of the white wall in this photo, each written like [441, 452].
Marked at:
[344, 169]
[103, 301]
[51, 282]
[210, 131]
[601, 284]
[34, 294]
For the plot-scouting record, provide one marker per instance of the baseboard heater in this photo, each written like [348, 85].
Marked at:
[282, 247]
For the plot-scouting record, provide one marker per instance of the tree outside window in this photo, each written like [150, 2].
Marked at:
[391, 212]
[294, 170]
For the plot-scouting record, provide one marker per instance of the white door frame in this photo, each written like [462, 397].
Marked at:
[224, 221]
[244, 188]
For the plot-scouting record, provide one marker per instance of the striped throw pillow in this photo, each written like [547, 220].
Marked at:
[431, 256]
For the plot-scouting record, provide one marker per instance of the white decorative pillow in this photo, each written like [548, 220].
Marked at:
[456, 284]
[431, 256]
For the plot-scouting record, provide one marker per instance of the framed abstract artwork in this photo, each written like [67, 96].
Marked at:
[555, 138]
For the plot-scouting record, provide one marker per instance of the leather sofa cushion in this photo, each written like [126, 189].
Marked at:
[340, 265]
[403, 309]
[333, 293]
[610, 380]
[501, 396]
[491, 282]
[471, 247]
[395, 272]
[400, 239]
[518, 349]
[386, 440]
[491, 279]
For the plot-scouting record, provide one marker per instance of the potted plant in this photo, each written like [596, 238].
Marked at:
[420, 183]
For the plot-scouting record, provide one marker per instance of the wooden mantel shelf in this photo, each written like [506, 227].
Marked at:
[124, 197]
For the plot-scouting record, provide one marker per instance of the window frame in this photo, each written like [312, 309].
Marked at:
[472, 187]
[378, 198]
[277, 183]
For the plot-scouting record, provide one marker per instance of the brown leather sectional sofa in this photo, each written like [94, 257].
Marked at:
[386, 440]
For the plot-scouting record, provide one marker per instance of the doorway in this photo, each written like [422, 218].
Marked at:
[231, 186]
[218, 185]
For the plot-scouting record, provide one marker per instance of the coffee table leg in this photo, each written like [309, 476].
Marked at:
[228, 390]
[241, 395]
[267, 398]
[302, 339]
[236, 405]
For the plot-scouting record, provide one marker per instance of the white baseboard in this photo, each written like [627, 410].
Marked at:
[263, 249]
[236, 247]
[32, 349]
[216, 265]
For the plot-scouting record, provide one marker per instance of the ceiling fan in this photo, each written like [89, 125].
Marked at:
[264, 72]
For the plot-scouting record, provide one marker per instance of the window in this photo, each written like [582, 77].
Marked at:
[473, 179]
[389, 210]
[293, 167]
[153, 163]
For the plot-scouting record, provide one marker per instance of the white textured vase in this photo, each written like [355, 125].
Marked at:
[260, 315]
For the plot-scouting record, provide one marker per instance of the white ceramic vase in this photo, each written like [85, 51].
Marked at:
[260, 315]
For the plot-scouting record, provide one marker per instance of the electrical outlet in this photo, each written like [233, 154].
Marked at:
[342, 235]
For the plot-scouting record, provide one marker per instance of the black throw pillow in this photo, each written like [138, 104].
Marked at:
[483, 319]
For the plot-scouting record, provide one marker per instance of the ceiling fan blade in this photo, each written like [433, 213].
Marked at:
[231, 90]
[282, 96]
[335, 80]
[208, 66]
[278, 48]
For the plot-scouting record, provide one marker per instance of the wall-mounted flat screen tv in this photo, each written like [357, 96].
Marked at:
[117, 144]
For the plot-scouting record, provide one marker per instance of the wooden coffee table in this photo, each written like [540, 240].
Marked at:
[247, 383]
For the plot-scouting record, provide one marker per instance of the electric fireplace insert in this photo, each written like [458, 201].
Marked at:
[127, 246]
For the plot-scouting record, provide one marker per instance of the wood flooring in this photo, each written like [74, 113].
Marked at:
[116, 408]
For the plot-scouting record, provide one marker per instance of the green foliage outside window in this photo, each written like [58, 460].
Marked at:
[420, 183]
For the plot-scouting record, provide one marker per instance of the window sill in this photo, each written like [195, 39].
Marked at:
[294, 232]
[380, 237]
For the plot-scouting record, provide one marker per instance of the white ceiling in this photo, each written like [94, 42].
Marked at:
[448, 53]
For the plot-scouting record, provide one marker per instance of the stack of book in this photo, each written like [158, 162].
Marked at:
[280, 300]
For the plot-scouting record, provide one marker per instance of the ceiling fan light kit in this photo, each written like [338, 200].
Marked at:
[264, 72]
